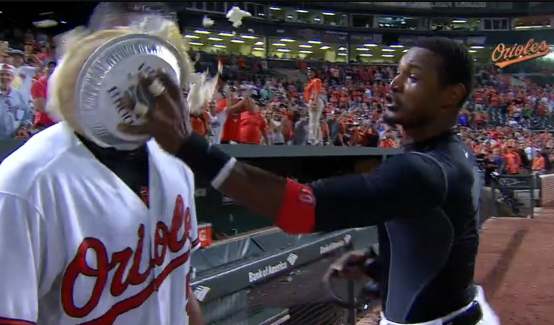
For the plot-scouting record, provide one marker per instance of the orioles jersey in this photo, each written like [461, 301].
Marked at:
[80, 247]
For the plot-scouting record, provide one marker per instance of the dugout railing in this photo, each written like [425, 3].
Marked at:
[273, 278]
[514, 195]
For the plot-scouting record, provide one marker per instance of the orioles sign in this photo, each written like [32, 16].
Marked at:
[504, 55]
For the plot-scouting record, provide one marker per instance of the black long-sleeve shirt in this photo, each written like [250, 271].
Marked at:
[426, 209]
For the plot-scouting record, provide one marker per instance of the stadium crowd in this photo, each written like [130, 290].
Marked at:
[507, 124]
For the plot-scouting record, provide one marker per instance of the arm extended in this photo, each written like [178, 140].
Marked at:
[402, 186]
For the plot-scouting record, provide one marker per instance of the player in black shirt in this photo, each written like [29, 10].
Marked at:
[423, 201]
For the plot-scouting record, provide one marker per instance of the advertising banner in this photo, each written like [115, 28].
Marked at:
[410, 39]
[449, 5]
[306, 34]
[476, 40]
[321, 35]
[366, 38]
[482, 5]
[470, 4]
[401, 4]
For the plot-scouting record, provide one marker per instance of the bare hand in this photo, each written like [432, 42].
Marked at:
[169, 121]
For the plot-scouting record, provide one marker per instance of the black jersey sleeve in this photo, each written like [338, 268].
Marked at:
[404, 186]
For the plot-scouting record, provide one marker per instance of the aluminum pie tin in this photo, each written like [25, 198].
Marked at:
[111, 74]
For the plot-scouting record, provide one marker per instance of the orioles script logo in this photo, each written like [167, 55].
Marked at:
[164, 239]
[503, 56]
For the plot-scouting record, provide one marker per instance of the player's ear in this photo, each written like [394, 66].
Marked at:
[453, 95]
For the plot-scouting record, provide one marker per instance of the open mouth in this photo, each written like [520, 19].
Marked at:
[391, 103]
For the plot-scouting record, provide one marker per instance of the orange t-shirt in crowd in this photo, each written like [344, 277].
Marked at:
[200, 124]
[231, 128]
[251, 126]
[313, 89]
[387, 144]
[513, 161]
[538, 163]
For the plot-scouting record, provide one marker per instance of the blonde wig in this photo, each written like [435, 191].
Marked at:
[79, 44]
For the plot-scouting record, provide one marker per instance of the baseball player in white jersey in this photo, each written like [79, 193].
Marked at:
[92, 234]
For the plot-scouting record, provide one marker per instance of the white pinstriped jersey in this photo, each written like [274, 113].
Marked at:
[80, 247]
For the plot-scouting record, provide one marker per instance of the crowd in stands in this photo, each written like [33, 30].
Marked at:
[508, 121]
[24, 72]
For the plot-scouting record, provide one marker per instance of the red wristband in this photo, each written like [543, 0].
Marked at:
[297, 214]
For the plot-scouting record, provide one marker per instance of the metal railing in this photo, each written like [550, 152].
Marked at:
[514, 195]
[273, 287]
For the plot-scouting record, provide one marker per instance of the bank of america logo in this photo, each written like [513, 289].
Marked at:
[201, 292]
[292, 259]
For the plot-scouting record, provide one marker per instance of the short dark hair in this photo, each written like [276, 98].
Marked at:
[314, 71]
[456, 65]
